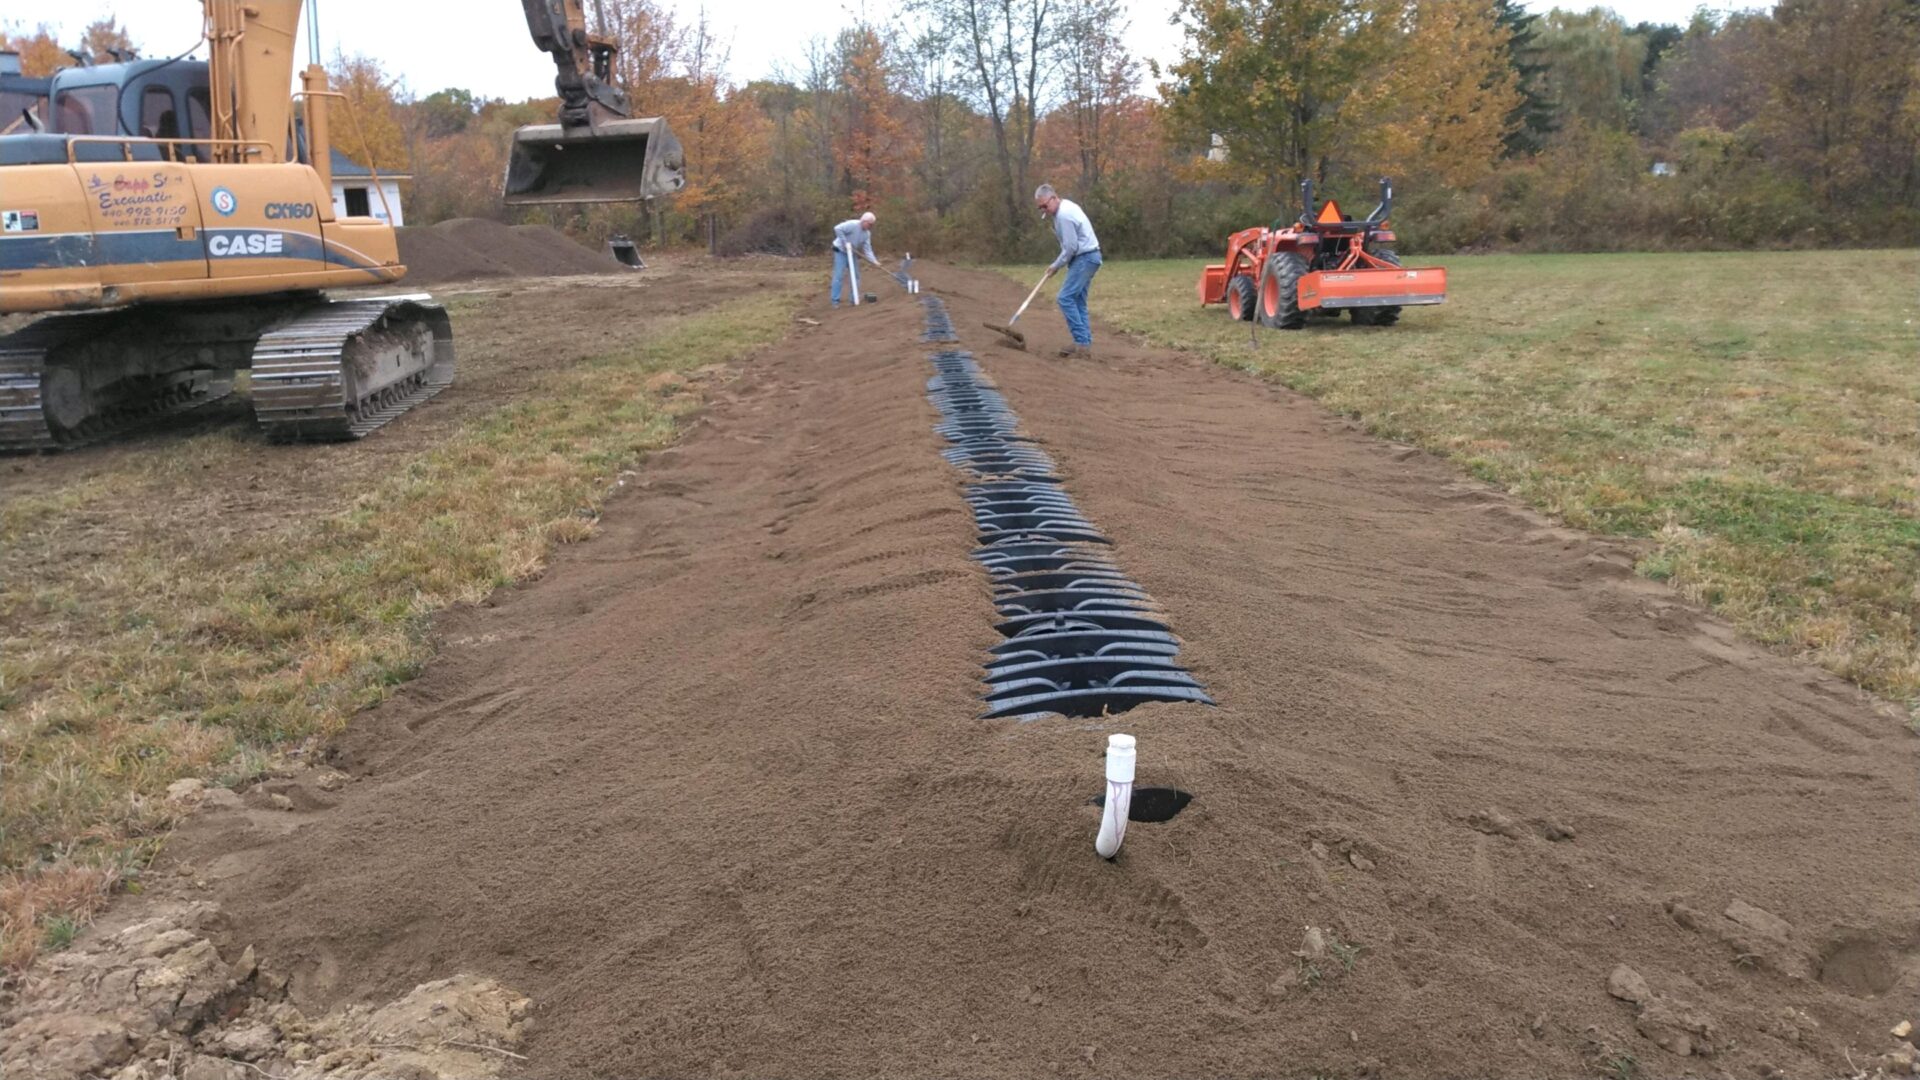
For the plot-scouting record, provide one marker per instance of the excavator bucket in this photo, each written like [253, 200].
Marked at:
[625, 251]
[628, 160]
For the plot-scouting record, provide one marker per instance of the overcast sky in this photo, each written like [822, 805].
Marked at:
[482, 45]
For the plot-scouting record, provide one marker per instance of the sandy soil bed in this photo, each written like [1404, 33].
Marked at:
[713, 795]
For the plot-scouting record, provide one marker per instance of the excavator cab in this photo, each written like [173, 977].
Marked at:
[599, 151]
[618, 160]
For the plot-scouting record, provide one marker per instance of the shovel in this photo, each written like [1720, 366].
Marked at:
[1016, 339]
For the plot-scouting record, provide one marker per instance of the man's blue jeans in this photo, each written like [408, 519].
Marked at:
[1073, 295]
[839, 273]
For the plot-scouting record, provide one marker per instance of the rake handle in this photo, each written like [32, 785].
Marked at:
[1030, 296]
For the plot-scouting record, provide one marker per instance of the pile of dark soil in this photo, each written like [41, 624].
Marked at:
[467, 248]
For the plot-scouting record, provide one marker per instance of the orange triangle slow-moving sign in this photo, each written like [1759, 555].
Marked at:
[1330, 213]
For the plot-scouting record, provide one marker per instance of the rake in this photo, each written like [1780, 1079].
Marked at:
[1015, 338]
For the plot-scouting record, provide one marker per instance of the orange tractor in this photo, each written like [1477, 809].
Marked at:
[1324, 263]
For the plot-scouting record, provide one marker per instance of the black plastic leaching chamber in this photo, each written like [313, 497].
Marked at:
[1083, 639]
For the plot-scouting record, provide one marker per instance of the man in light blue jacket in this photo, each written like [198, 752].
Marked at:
[1080, 254]
[854, 235]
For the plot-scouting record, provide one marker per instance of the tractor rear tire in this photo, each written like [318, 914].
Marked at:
[1240, 294]
[1280, 299]
[1380, 316]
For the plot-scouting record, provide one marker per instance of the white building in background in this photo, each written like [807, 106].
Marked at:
[1218, 151]
[355, 195]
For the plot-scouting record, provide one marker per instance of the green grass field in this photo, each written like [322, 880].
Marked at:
[1755, 416]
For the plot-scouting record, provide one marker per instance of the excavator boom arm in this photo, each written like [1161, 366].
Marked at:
[583, 60]
[250, 45]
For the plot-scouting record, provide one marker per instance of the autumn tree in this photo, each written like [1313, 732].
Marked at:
[1272, 78]
[458, 146]
[40, 52]
[1715, 76]
[650, 45]
[680, 73]
[457, 170]
[1593, 66]
[822, 106]
[105, 41]
[371, 131]
[941, 122]
[1003, 55]
[1439, 111]
[728, 135]
[872, 146]
[1097, 74]
[1843, 102]
[446, 112]
[779, 102]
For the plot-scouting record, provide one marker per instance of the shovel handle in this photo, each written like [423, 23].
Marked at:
[1029, 299]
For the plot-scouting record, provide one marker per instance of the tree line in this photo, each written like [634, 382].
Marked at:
[1572, 130]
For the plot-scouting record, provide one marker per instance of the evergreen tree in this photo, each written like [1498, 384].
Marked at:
[1536, 118]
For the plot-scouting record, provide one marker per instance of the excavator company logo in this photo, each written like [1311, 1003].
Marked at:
[224, 201]
[243, 245]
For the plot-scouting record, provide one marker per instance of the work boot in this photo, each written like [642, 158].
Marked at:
[1077, 352]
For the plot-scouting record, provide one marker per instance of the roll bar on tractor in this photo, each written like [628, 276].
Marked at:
[1310, 216]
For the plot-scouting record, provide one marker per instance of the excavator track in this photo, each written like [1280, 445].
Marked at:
[323, 371]
[343, 369]
[23, 360]
[25, 371]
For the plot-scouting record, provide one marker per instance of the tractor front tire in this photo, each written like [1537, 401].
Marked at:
[1280, 298]
[1240, 294]
[1380, 316]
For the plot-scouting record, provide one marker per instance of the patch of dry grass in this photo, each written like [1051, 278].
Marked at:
[174, 648]
[42, 906]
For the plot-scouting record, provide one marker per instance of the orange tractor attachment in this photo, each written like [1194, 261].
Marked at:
[1322, 264]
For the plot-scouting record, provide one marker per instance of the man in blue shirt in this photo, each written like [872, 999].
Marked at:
[1080, 254]
[854, 235]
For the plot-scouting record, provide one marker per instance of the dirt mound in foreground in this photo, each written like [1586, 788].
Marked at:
[467, 248]
[712, 792]
[160, 998]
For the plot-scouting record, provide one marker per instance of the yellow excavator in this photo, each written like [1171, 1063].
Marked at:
[179, 214]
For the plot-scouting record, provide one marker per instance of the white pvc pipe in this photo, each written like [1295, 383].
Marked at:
[1113, 820]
